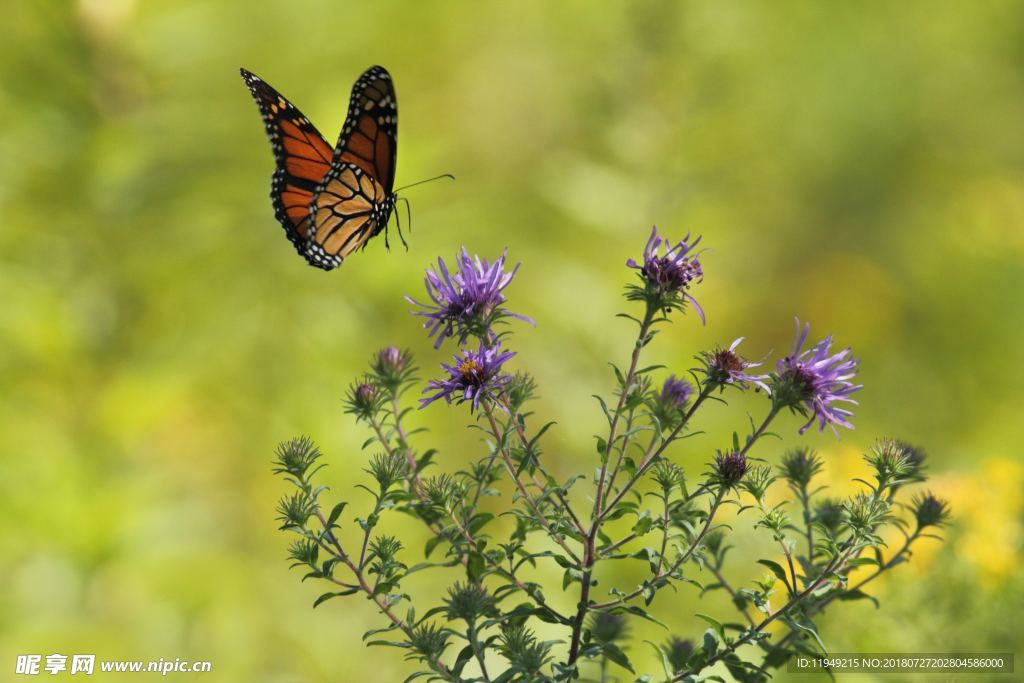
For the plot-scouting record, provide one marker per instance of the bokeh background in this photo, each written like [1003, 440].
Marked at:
[860, 166]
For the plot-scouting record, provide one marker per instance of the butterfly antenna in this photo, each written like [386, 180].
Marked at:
[428, 180]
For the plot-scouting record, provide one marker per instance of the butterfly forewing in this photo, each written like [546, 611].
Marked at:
[301, 154]
[369, 136]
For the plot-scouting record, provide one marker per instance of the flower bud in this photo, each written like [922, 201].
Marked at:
[930, 510]
[730, 468]
[678, 652]
[608, 627]
[799, 467]
[390, 367]
[469, 602]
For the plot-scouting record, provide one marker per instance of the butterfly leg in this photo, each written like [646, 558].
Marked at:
[408, 222]
[398, 226]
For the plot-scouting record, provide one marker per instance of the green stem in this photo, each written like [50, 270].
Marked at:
[474, 642]
[651, 458]
[834, 566]
[556, 536]
[676, 564]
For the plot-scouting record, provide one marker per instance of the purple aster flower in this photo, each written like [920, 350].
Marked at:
[815, 380]
[668, 275]
[475, 376]
[725, 366]
[467, 302]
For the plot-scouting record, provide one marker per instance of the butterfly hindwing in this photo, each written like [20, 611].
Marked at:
[349, 207]
[302, 156]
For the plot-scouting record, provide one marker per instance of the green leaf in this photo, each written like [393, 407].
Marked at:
[335, 514]
[776, 569]
[432, 543]
[640, 612]
[479, 521]
[540, 433]
[615, 654]
[858, 594]
[808, 629]
[710, 643]
[475, 567]
[327, 596]
[643, 523]
[715, 623]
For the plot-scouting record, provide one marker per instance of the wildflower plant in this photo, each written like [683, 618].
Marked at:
[520, 544]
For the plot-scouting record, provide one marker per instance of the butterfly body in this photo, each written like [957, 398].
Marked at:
[332, 201]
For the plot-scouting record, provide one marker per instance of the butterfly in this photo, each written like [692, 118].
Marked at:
[332, 201]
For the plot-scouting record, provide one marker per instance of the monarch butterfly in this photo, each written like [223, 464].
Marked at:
[332, 201]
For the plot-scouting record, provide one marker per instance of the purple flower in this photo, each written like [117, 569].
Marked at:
[467, 302]
[475, 376]
[816, 380]
[725, 366]
[676, 393]
[667, 276]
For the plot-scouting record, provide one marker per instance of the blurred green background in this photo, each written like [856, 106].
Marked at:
[860, 166]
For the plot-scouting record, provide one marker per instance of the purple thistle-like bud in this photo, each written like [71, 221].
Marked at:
[676, 393]
[363, 399]
[814, 379]
[730, 468]
[669, 407]
[392, 367]
[475, 376]
[725, 366]
[467, 302]
[365, 393]
[668, 275]
[391, 359]
[930, 510]
[678, 651]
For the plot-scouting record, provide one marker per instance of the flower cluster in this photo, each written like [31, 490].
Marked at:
[641, 497]
[468, 303]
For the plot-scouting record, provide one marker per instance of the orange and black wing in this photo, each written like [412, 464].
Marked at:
[369, 138]
[348, 208]
[303, 159]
